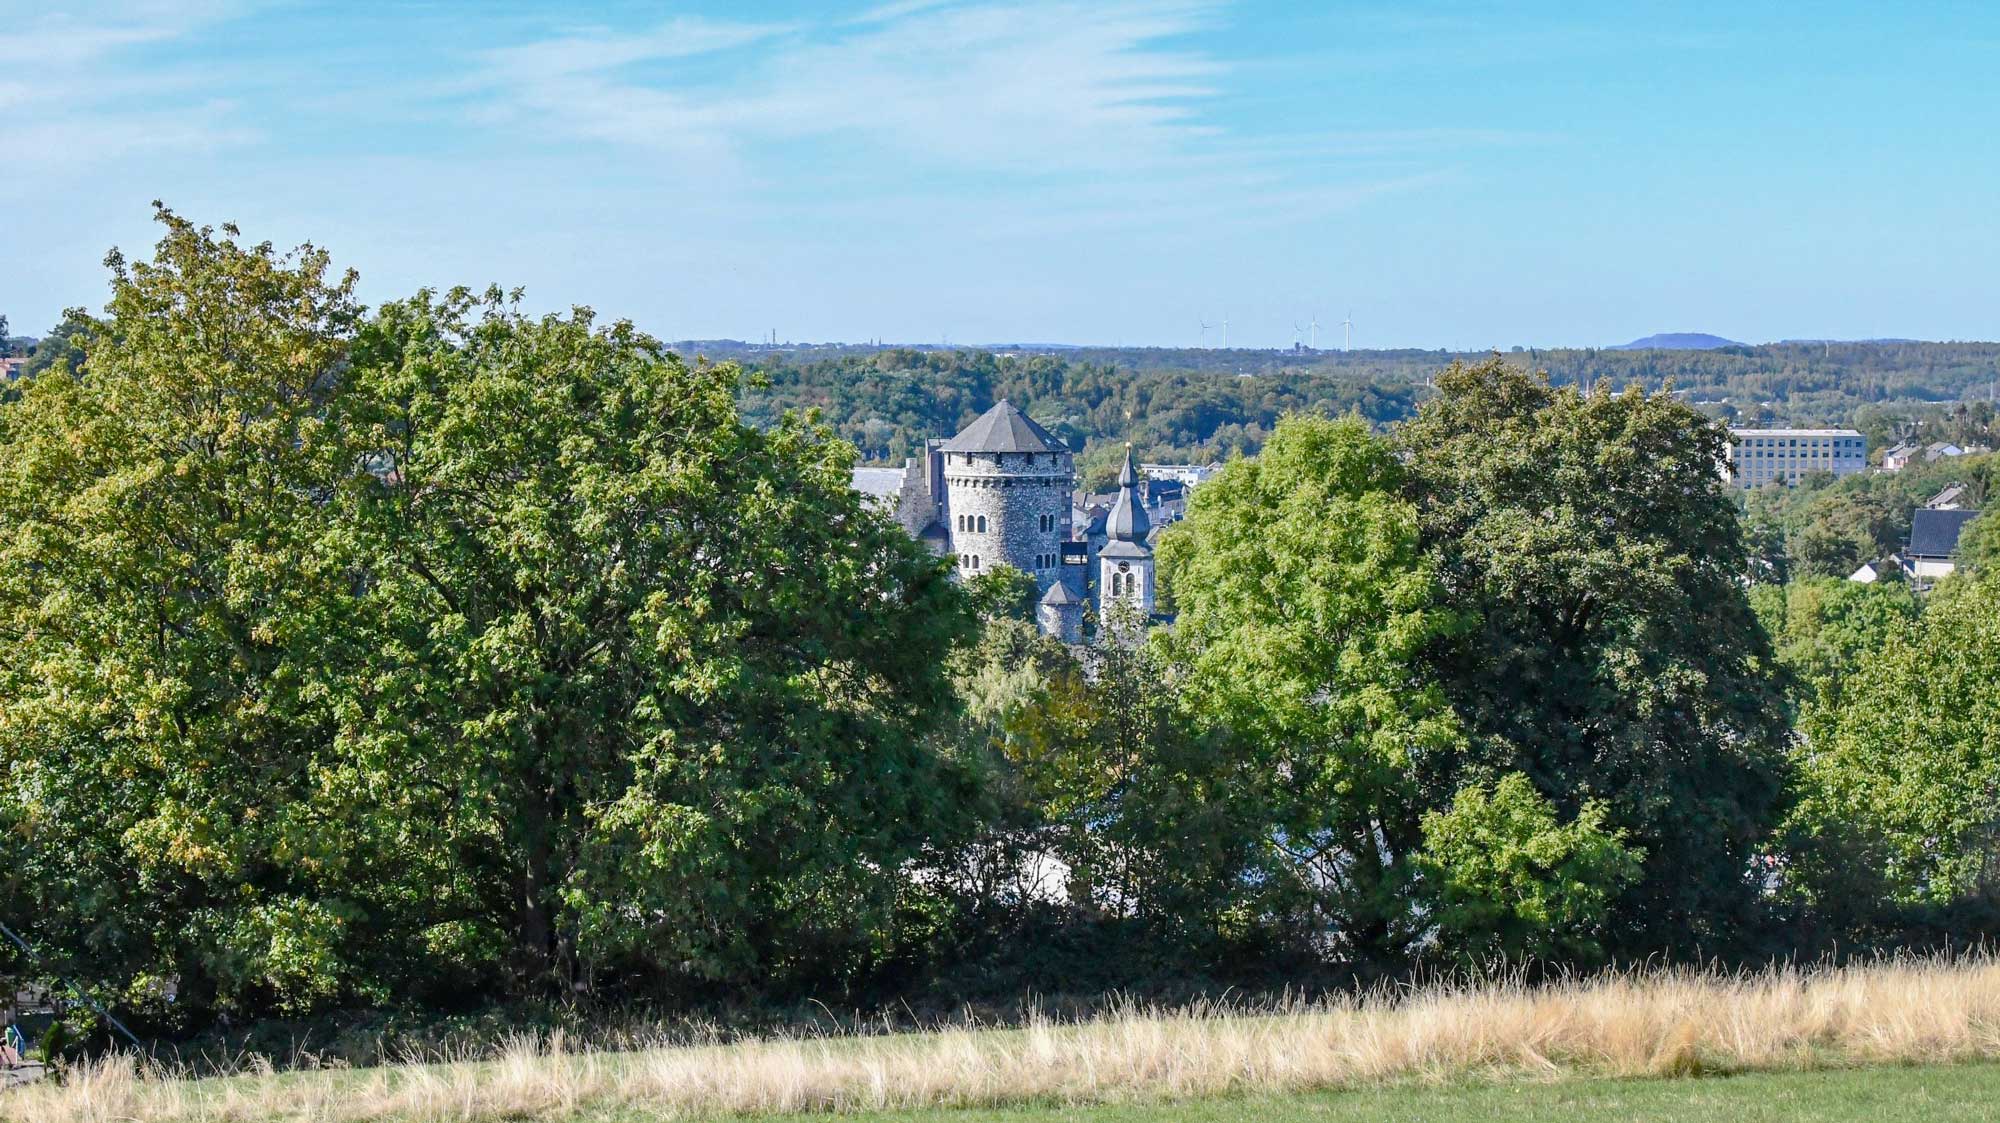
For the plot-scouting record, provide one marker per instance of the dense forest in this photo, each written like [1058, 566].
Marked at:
[382, 667]
[1196, 405]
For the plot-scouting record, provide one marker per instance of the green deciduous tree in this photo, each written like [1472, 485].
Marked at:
[1506, 880]
[1304, 604]
[62, 347]
[1844, 529]
[1902, 769]
[1615, 657]
[176, 602]
[1002, 590]
[1979, 545]
[1153, 818]
[1826, 628]
[676, 675]
[359, 660]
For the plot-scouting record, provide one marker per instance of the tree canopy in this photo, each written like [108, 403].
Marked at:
[438, 656]
[1613, 655]
[1905, 760]
[352, 657]
[1304, 603]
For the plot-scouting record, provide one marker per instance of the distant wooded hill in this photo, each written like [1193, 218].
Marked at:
[1197, 405]
[1678, 341]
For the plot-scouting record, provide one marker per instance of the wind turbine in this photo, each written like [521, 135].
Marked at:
[1225, 333]
[1205, 325]
[1313, 327]
[1348, 326]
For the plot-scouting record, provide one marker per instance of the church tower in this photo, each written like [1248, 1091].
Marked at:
[1125, 563]
[1007, 495]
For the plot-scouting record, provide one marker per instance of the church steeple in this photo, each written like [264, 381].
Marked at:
[1127, 521]
[1125, 563]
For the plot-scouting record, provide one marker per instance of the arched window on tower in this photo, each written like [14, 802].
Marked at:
[982, 524]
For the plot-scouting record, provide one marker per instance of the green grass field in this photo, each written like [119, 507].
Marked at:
[1932, 1094]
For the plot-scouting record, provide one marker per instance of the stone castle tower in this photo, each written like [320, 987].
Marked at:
[1007, 487]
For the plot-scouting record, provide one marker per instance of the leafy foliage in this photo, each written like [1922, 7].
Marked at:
[1614, 656]
[888, 403]
[441, 654]
[177, 604]
[1304, 605]
[350, 660]
[1509, 882]
[1979, 546]
[1002, 590]
[1826, 629]
[676, 674]
[1905, 760]
[1827, 527]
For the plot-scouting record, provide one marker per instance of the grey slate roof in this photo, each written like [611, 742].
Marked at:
[1004, 429]
[883, 483]
[1127, 521]
[1934, 534]
[1060, 593]
[1949, 497]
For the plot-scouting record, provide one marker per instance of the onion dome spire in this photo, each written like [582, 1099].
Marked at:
[1127, 521]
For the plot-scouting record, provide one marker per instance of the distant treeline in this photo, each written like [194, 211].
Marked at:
[1209, 404]
[888, 403]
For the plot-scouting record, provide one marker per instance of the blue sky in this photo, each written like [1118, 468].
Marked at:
[1456, 175]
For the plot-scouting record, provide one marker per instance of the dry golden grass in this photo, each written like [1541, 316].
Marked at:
[1657, 1023]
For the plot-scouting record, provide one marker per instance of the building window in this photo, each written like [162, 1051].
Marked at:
[982, 524]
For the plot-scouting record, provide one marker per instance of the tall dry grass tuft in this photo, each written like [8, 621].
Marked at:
[1665, 1023]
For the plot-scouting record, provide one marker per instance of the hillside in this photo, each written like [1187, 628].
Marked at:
[1677, 341]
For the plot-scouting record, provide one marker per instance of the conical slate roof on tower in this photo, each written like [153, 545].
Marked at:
[1004, 429]
[1061, 594]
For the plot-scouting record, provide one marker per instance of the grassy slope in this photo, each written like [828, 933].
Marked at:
[1932, 1094]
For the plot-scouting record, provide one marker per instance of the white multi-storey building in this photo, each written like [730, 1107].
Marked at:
[1761, 456]
[1188, 475]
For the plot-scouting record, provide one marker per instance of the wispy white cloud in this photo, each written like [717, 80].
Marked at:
[599, 49]
[980, 85]
[73, 94]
